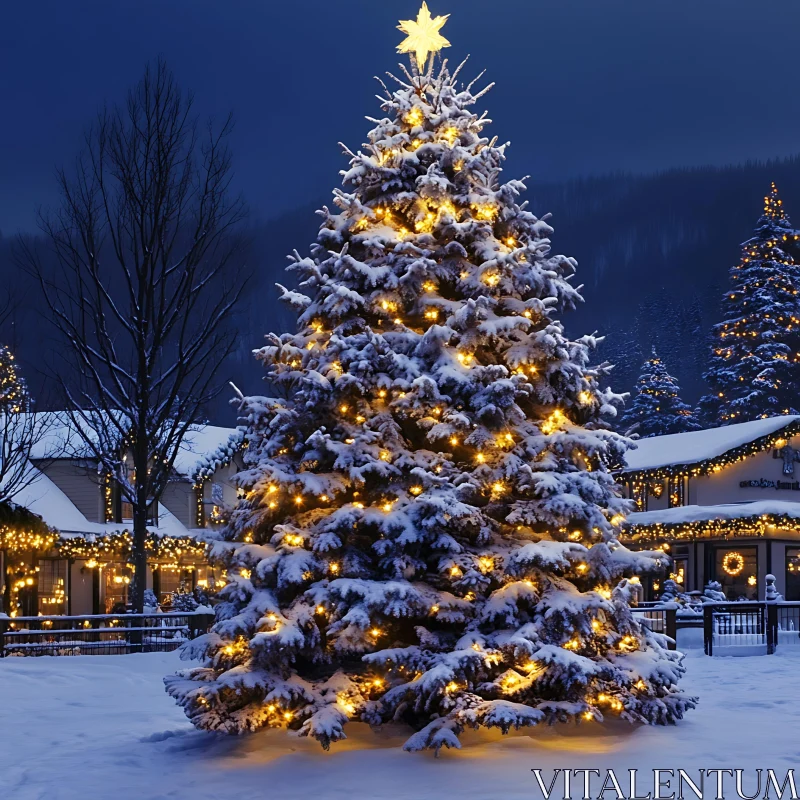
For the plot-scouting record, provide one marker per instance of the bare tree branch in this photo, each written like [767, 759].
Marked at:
[145, 240]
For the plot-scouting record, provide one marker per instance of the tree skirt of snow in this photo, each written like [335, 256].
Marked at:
[92, 727]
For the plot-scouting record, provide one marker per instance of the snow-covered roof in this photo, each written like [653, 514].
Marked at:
[60, 439]
[685, 515]
[44, 498]
[696, 447]
[205, 443]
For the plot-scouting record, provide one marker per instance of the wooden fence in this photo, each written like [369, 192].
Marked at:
[100, 634]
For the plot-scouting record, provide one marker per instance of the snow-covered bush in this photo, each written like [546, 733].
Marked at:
[181, 600]
[712, 593]
[151, 604]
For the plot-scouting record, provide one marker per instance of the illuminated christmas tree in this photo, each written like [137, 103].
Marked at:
[657, 408]
[14, 395]
[754, 370]
[428, 529]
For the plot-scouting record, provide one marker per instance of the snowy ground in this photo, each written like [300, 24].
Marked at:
[102, 728]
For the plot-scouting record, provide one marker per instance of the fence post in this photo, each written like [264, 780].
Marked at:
[135, 637]
[708, 628]
[4, 623]
[200, 624]
[772, 627]
[672, 627]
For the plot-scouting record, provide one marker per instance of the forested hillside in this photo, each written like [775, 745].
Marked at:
[653, 252]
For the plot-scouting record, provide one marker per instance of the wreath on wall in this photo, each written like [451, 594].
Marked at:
[733, 563]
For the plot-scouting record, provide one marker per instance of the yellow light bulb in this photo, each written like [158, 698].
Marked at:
[414, 117]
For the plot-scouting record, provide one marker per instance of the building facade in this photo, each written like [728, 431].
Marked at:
[723, 502]
[80, 566]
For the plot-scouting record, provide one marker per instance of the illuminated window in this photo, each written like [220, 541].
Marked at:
[736, 568]
[117, 584]
[792, 574]
[52, 586]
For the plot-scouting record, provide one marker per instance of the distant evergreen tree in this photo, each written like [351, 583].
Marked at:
[754, 370]
[14, 395]
[657, 408]
[698, 336]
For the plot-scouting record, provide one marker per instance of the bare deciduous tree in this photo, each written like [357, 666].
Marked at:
[145, 238]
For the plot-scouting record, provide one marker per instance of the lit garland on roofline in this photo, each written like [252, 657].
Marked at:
[22, 530]
[773, 441]
[16, 540]
[118, 546]
[709, 529]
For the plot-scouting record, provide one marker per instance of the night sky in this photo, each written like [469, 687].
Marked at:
[583, 86]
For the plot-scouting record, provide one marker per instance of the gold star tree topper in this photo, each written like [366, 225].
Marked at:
[423, 35]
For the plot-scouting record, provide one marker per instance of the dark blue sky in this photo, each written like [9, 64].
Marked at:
[583, 86]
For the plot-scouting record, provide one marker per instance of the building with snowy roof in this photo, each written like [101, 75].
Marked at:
[82, 567]
[724, 502]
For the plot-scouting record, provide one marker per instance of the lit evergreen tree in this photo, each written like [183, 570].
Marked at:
[657, 408]
[428, 531]
[14, 395]
[754, 370]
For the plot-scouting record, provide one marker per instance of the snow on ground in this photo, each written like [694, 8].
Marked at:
[102, 728]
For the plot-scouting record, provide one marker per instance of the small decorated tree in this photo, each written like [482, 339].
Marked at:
[428, 531]
[182, 600]
[14, 397]
[657, 408]
[754, 370]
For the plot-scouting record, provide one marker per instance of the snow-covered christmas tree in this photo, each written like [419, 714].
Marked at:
[14, 396]
[428, 528]
[754, 370]
[657, 408]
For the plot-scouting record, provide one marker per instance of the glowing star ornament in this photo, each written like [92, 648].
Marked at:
[423, 35]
